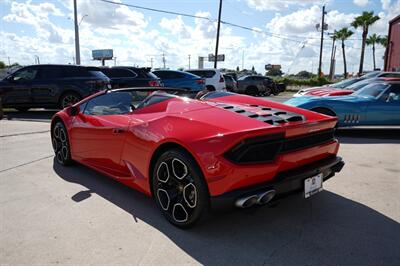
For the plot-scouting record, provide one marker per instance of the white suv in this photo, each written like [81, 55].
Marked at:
[214, 79]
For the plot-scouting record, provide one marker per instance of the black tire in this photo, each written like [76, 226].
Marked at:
[253, 91]
[179, 188]
[69, 98]
[60, 141]
[22, 109]
[210, 88]
[324, 111]
[267, 91]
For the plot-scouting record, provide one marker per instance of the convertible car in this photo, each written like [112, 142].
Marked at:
[373, 105]
[212, 151]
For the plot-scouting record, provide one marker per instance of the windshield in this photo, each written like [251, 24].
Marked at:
[359, 85]
[372, 90]
[371, 75]
[242, 78]
[344, 83]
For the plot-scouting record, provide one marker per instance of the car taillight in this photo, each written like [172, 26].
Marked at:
[200, 81]
[221, 79]
[154, 83]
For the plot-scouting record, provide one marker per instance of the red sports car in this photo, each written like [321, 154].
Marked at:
[217, 149]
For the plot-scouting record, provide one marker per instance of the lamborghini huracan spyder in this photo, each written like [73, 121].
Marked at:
[191, 154]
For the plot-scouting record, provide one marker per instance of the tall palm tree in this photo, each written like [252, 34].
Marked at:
[383, 41]
[342, 35]
[364, 21]
[372, 40]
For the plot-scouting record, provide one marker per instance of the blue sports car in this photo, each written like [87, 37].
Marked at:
[375, 104]
[180, 79]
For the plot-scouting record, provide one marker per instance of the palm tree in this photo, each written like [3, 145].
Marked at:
[372, 40]
[342, 35]
[383, 40]
[364, 21]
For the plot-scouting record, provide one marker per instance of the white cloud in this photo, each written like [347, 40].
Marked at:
[262, 5]
[361, 3]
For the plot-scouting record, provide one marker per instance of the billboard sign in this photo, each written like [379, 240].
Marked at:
[270, 66]
[220, 57]
[103, 54]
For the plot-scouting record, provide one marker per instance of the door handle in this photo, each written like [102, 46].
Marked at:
[118, 130]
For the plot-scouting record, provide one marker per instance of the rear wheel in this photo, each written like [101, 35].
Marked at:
[210, 88]
[68, 99]
[179, 188]
[253, 91]
[61, 144]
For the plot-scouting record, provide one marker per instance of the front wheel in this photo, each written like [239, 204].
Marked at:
[179, 188]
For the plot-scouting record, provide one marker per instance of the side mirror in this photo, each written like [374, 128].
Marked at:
[11, 79]
[73, 110]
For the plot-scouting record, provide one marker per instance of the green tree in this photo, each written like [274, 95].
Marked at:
[274, 72]
[372, 40]
[304, 74]
[363, 21]
[2, 65]
[383, 40]
[342, 35]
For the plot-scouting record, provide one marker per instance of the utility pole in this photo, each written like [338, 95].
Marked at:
[151, 62]
[9, 61]
[115, 61]
[331, 68]
[163, 59]
[189, 61]
[322, 41]
[77, 51]
[242, 59]
[218, 27]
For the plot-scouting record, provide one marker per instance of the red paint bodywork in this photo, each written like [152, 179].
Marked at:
[204, 130]
[327, 92]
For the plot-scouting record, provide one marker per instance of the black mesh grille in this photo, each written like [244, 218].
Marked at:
[266, 148]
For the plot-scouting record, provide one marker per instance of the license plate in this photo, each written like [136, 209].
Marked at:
[312, 185]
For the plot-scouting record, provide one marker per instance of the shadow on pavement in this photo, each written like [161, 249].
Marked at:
[368, 135]
[34, 115]
[325, 230]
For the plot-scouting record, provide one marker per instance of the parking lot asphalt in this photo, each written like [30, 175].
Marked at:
[56, 215]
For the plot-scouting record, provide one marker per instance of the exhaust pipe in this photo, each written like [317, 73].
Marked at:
[247, 201]
[265, 197]
[260, 199]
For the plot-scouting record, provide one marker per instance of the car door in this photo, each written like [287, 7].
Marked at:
[99, 131]
[386, 109]
[18, 87]
[44, 87]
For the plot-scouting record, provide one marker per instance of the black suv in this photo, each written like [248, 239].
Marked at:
[125, 77]
[50, 86]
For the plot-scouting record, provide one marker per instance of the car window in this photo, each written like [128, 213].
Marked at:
[359, 85]
[228, 78]
[49, 72]
[203, 73]
[27, 73]
[161, 74]
[113, 103]
[394, 94]
[119, 73]
[391, 75]
[344, 83]
[373, 90]
[372, 74]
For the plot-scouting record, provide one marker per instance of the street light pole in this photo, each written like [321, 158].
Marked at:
[322, 41]
[77, 51]
[218, 27]
[189, 61]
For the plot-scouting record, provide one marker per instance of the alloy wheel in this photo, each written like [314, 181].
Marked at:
[60, 144]
[68, 100]
[176, 191]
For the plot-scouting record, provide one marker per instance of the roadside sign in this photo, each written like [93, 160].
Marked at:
[103, 54]
[271, 66]
[220, 57]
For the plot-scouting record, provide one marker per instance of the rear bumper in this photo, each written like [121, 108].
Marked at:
[285, 183]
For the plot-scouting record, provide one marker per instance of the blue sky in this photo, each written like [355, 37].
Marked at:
[285, 32]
